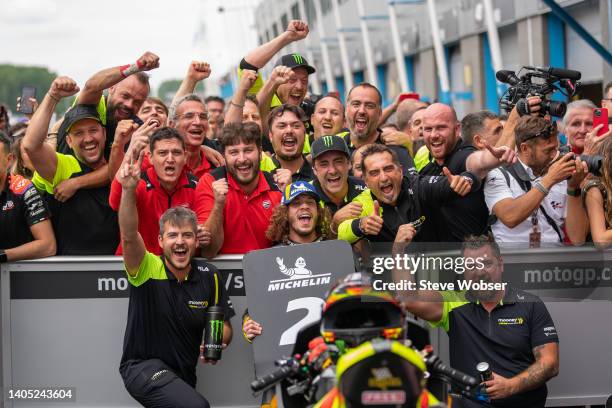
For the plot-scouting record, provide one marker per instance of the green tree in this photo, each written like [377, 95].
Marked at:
[14, 77]
[168, 88]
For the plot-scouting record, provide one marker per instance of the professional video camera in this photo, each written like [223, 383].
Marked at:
[537, 81]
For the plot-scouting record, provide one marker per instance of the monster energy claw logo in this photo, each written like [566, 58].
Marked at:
[328, 141]
[216, 328]
[298, 59]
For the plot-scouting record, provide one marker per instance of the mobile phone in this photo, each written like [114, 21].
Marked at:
[600, 117]
[409, 95]
[25, 106]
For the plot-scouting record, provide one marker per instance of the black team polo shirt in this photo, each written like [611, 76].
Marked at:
[504, 338]
[167, 317]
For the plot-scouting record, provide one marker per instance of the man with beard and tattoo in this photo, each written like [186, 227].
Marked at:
[128, 87]
[235, 202]
[84, 224]
[363, 111]
[509, 329]
[287, 133]
[169, 297]
[300, 219]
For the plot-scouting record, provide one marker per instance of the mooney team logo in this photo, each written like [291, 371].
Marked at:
[510, 321]
[216, 329]
[298, 277]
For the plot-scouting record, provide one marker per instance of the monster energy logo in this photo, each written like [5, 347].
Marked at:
[216, 328]
[328, 141]
[298, 59]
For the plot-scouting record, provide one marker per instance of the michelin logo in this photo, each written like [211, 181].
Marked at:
[299, 276]
[299, 271]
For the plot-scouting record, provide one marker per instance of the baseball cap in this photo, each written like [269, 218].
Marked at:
[80, 112]
[329, 143]
[295, 61]
[293, 190]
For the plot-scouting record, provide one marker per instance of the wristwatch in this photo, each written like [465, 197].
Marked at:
[573, 192]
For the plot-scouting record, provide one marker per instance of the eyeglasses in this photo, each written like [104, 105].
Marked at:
[546, 133]
[192, 116]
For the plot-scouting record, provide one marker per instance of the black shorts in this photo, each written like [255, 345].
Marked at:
[153, 384]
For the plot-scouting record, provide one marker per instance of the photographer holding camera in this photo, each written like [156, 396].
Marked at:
[528, 199]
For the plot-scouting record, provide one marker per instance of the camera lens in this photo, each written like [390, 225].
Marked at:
[555, 108]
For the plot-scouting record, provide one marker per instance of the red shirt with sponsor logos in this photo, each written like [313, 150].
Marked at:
[246, 216]
[21, 206]
[152, 201]
[204, 167]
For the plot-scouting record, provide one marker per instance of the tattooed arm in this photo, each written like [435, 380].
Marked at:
[543, 369]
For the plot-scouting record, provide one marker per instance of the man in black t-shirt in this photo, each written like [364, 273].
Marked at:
[467, 216]
[25, 228]
[509, 329]
[169, 297]
[363, 112]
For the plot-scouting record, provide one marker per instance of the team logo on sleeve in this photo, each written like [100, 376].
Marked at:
[19, 184]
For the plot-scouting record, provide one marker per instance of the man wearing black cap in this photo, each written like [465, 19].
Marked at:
[330, 161]
[88, 206]
[260, 56]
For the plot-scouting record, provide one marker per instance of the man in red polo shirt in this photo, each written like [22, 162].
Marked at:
[190, 118]
[235, 202]
[164, 185]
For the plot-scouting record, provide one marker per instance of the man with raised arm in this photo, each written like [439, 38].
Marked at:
[169, 297]
[128, 87]
[84, 224]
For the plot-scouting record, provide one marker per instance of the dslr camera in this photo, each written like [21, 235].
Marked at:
[594, 162]
[537, 81]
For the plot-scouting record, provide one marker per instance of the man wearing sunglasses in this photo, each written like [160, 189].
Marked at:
[528, 199]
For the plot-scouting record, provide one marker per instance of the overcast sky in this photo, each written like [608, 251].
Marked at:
[79, 37]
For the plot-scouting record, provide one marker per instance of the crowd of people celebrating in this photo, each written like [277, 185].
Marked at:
[122, 173]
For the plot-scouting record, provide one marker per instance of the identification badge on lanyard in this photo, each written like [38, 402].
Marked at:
[535, 236]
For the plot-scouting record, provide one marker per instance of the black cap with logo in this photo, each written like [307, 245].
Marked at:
[79, 112]
[295, 61]
[329, 143]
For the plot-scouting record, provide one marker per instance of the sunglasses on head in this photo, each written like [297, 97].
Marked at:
[549, 131]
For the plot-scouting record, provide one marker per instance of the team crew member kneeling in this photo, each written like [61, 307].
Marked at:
[168, 302]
